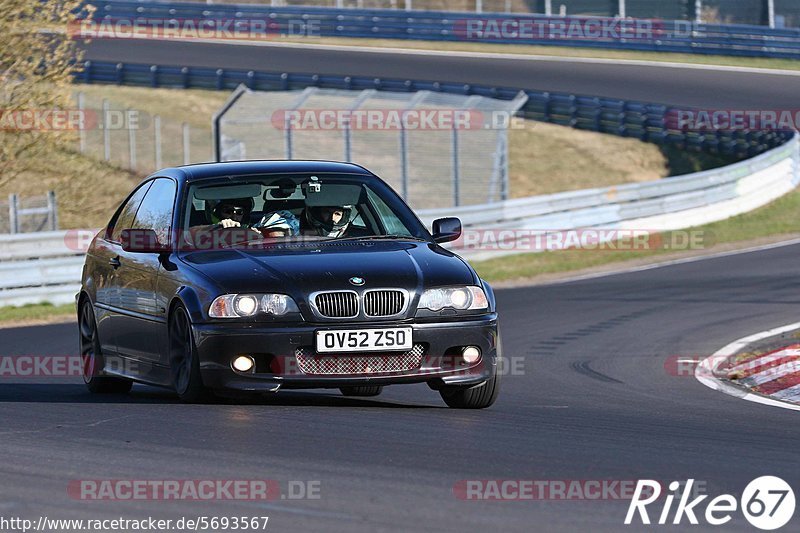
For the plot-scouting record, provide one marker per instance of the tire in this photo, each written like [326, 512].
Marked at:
[373, 390]
[92, 362]
[183, 361]
[477, 397]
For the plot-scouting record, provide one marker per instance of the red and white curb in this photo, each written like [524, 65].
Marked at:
[772, 378]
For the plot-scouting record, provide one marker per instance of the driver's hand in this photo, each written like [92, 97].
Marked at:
[229, 223]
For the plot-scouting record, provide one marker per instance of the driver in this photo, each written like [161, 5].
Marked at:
[327, 221]
[231, 213]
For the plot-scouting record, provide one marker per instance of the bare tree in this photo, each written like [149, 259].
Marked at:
[37, 59]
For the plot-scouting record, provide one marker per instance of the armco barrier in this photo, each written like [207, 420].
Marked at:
[641, 120]
[665, 35]
[667, 204]
[39, 267]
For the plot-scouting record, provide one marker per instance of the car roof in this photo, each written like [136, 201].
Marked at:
[200, 171]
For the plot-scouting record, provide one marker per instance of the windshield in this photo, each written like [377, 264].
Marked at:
[296, 207]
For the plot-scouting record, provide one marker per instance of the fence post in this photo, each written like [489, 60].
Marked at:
[621, 10]
[403, 161]
[548, 8]
[347, 141]
[157, 136]
[287, 137]
[771, 13]
[478, 6]
[106, 132]
[131, 141]
[52, 207]
[698, 11]
[13, 221]
[186, 147]
[82, 131]
[362, 97]
[504, 182]
[456, 164]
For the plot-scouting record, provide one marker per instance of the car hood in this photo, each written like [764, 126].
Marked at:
[301, 269]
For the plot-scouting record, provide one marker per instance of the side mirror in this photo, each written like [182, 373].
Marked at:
[141, 241]
[446, 229]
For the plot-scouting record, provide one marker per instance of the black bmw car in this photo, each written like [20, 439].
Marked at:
[265, 275]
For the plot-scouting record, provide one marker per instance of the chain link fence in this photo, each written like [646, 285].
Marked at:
[435, 149]
[137, 140]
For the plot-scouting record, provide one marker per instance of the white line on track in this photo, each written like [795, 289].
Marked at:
[706, 369]
[494, 55]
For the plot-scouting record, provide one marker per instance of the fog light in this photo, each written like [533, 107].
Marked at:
[471, 354]
[244, 363]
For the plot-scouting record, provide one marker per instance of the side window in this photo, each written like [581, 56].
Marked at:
[128, 212]
[155, 213]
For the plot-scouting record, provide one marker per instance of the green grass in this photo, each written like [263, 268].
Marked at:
[556, 51]
[36, 312]
[775, 219]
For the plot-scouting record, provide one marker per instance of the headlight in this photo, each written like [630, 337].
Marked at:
[463, 298]
[245, 305]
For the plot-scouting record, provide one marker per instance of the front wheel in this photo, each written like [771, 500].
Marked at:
[92, 362]
[477, 397]
[183, 360]
[362, 390]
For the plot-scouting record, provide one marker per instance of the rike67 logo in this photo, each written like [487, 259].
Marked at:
[767, 503]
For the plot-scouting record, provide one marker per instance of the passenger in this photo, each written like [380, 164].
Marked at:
[278, 224]
[327, 221]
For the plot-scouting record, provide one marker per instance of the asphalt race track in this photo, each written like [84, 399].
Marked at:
[589, 398]
[593, 401]
[716, 89]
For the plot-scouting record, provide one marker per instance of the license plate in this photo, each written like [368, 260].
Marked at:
[364, 340]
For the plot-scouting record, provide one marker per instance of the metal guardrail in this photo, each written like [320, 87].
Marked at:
[667, 204]
[641, 120]
[40, 267]
[666, 35]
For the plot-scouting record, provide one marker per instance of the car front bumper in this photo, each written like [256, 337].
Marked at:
[276, 349]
